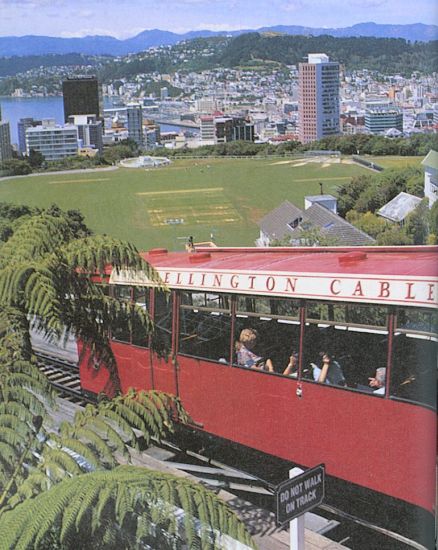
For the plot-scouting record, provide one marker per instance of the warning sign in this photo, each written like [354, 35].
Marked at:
[300, 494]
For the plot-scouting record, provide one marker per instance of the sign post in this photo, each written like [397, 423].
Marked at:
[299, 494]
[296, 526]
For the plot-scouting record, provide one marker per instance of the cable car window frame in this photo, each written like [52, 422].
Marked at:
[214, 311]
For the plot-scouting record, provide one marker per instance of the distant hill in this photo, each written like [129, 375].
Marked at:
[108, 45]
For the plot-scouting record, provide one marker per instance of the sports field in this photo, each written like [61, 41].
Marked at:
[395, 162]
[163, 206]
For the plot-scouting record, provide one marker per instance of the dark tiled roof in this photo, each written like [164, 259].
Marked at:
[275, 224]
[336, 227]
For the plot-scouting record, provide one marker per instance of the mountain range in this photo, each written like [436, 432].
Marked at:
[108, 45]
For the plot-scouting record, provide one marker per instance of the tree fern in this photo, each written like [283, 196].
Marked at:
[116, 498]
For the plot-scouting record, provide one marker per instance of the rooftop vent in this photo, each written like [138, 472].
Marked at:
[157, 251]
[352, 257]
[199, 257]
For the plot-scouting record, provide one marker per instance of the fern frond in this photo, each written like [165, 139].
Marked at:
[125, 493]
[91, 457]
[97, 444]
[59, 463]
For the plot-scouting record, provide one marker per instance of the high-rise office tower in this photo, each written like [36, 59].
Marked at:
[135, 123]
[318, 98]
[81, 96]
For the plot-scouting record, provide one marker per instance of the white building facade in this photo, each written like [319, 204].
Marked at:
[53, 142]
[430, 164]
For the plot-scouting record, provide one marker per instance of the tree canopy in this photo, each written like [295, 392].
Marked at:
[61, 487]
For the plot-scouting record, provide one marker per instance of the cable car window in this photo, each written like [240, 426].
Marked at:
[205, 326]
[140, 335]
[120, 327]
[250, 304]
[347, 313]
[417, 320]
[162, 334]
[267, 334]
[205, 300]
[414, 360]
[122, 292]
[268, 306]
[345, 344]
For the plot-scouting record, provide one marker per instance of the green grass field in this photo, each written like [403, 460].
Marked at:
[162, 206]
[395, 162]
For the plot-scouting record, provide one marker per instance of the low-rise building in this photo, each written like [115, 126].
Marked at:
[287, 222]
[90, 131]
[430, 164]
[399, 208]
[381, 118]
[54, 142]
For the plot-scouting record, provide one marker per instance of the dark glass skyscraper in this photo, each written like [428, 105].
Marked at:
[81, 96]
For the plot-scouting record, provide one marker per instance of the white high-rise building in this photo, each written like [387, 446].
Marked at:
[318, 98]
[208, 130]
[54, 142]
[135, 123]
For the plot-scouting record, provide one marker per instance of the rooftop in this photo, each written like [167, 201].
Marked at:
[431, 160]
[399, 207]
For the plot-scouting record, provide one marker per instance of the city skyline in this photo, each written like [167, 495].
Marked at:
[68, 18]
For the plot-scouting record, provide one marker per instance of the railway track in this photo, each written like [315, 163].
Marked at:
[64, 376]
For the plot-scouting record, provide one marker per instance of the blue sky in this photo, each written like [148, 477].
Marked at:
[124, 18]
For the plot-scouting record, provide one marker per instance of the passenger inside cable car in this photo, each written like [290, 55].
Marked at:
[378, 381]
[330, 371]
[292, 367]
[246, 356]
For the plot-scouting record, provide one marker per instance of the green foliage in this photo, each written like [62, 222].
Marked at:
[386, 55]
[126, 508]
[368, 222]
[369, 193]
[394, 235]
[154, 88]
[16, 167]
[36, 158]
[417, 223]
[17, 64]
[434, 218]
[115, 153]
[363, 144]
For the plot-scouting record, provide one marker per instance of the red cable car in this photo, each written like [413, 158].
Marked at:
[313, 355]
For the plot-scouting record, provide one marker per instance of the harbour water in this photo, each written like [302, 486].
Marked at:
[14, 108]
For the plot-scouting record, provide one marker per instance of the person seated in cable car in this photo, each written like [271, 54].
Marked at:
[330, 371]
[246, 356]
[292, 367]
[377, 382]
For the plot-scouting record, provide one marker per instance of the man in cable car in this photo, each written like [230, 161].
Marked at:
[330, 371]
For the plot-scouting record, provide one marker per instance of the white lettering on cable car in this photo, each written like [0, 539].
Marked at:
[364, 288]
